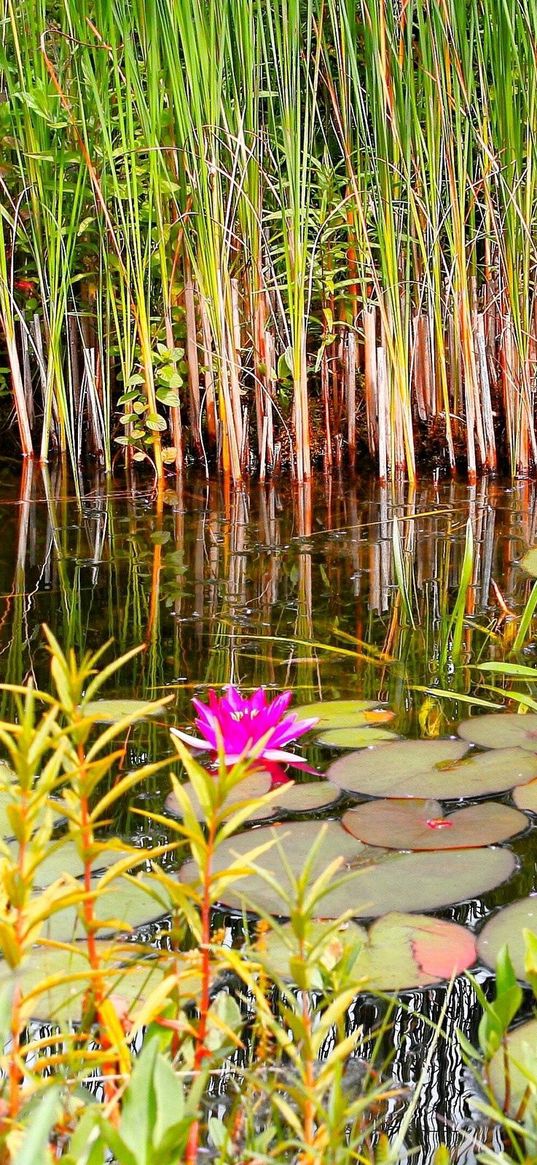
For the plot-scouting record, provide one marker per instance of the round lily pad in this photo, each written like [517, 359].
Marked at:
[502, 730]
[506, 928]
[354, 737]
[380, 880]
[122, 906]
[443, 769]
[513, 1067]
[426, 880]
[398, 952]
[276, 948]
[299, 797]
[66, 860]
[255, 785]
[131, 973]
[344, 713]
[529, 562]
[525, 796]
[421, 825]
[110, 711]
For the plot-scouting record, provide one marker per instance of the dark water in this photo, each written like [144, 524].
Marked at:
[289, 589]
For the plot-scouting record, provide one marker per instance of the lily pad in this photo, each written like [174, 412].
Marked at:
[254, 786]
[131, 973]
[506, 928]
[299, 797]
[354, 737]
[399, 951]
[120, 907]
[344, 713]
[276, 948]
[502, 730]
[380, 880]
[443, 769]
[525, 796]
[110, 711]
[421, 825]
[513, 1067]
[66, 860]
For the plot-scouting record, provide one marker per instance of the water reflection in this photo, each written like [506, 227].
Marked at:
[275, 586]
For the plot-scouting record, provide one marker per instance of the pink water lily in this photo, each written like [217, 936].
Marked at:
[248, 727]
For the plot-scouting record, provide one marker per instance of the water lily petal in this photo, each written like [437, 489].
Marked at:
[192, 741]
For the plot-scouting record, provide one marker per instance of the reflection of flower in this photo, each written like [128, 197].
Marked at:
[247, 726]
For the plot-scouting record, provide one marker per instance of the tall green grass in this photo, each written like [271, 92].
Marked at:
[258, 233]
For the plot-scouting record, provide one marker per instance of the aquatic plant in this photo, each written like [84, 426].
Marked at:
[249, 232]
[240, 728]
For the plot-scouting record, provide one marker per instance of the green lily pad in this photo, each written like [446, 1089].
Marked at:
[255, 785]
[355, 737]
[344, 713]
[525, 796]
[443, 769]
[529, 562]
[502, 730]
[398, 952]
[299, 797]
[421, 825]
[110, 711]
[131, 973]
[66, 860]
[506, 928]
[513, 1068]
[380, 880]
[120, 907]
[278, 948]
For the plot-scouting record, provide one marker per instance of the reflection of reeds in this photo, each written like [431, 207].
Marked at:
[276, 587]
[271, 233]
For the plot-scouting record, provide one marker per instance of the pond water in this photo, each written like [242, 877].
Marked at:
[290, 589]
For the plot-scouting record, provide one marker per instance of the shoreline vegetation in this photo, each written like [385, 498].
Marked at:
[264, 234]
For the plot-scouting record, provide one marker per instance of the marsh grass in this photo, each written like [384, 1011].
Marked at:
[264, 232]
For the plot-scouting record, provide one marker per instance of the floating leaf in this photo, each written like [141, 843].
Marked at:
[443, 769]
[420, 825]
[381, 880]
[119, 907]
[66, 860]
[131, 973]
[354, 737]
[299, 797]
[513, 1068]
[502, 730]
[253, 786]
[529, 562]
[399, 951]
[506, 928]
[525, 796]
[344, 713]
[110, 711]
[277, 947]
